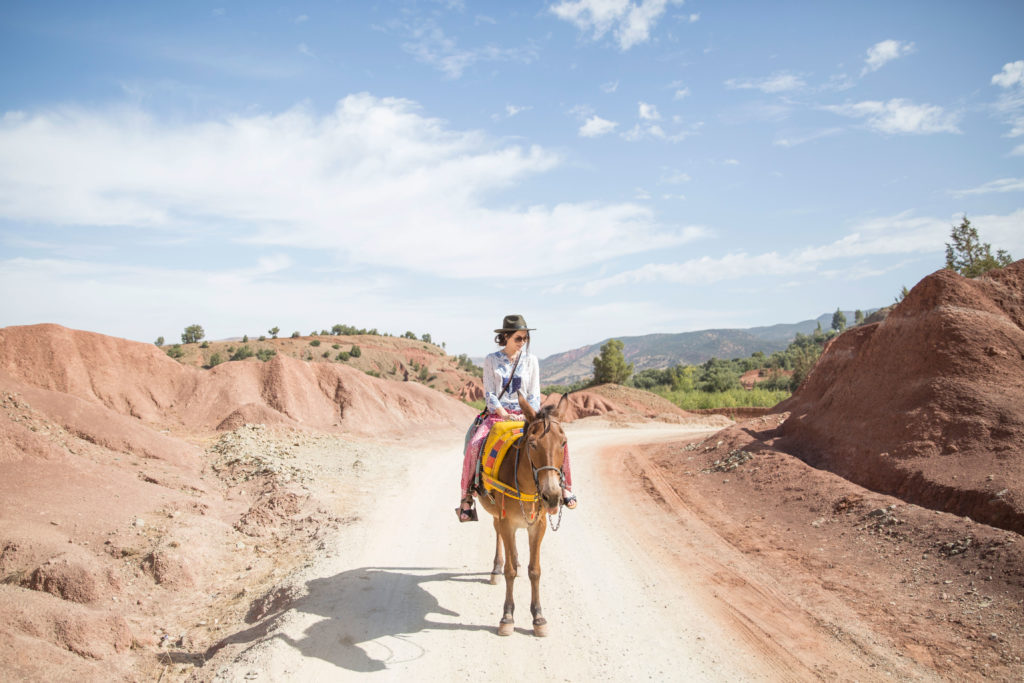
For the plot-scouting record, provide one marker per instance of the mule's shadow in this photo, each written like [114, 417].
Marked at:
[360, 606]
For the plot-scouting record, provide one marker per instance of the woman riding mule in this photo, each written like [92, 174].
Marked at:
[532, 473]
[507, 372]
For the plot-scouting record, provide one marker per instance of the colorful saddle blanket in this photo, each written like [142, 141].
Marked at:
[503, 435]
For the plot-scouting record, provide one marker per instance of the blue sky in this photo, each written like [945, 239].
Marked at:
[604, 167]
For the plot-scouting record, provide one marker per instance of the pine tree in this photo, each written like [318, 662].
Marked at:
[969, 256]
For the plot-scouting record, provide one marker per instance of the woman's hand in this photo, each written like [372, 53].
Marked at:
[502, 413]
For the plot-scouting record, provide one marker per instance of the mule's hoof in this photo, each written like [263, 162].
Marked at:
[494, 579]
[540, 628]
[506, 629]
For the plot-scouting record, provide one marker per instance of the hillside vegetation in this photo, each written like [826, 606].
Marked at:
[660, 351]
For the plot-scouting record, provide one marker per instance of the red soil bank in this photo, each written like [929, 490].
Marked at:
[927, 405]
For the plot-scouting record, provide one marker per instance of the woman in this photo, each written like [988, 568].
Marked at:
[506, 373]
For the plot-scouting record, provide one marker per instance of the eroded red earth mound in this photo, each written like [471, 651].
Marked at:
[927, 405]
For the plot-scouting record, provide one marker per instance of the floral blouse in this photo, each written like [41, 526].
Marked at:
[497, 368]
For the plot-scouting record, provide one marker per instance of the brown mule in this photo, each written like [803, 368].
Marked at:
[534, 467]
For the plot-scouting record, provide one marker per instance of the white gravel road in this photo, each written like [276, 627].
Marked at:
[403, 595]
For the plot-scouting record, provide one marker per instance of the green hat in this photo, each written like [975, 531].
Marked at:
[513, 323]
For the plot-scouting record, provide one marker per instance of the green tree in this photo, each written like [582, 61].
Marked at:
[273, 331]
[610, 367]
[858, 317]
[176, 352]
[409, 334]
[719, 375]
[968, 255]
[192, 334]
[215, 360]
[245, 339]
[426, 337]
[903, 294]
[296, 334]
[355, 352]
[159, 341]
[838, 321]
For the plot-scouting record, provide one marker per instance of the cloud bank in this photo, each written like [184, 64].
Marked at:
[374, 181]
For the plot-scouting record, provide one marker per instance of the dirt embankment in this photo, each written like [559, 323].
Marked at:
[927, 404]
[891, 485]
[140, 507]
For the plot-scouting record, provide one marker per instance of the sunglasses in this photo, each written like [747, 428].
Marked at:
[520, 338]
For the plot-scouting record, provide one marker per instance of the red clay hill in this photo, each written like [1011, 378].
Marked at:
[927, 405]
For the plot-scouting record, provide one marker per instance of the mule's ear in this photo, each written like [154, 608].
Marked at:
[563, 403]
[528, 412]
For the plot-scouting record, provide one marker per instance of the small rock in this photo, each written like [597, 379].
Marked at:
[240, 546]
[139, 523]
[993, 636]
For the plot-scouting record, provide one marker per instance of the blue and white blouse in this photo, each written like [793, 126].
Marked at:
[497, 367]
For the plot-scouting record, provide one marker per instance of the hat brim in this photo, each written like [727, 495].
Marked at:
[515, 329]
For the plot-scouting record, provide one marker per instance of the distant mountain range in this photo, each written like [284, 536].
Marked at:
[690, 348]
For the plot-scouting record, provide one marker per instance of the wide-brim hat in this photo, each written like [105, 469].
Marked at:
[514, 323]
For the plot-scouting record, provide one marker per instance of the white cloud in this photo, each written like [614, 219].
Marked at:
[900, 116]
[1017, 151]
[673, 177]
[681, 93]
[430, 45]
[610, 86]
[374, 182]
[731, 162]
[881, 53]
[1001, 185]
[512, 110]
[892, 235]
[1011, 75]
[304, 49]
[631, 22]
[595, 127]
[301, 19]
[694, 18]
[778, 82]
[648, 112]
[793, 141]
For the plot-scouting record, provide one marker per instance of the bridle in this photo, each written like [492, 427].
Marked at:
[547, 420]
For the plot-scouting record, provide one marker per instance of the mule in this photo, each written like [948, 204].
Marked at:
[532, 466]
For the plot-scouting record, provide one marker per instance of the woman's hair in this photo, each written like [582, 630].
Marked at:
[501, 339]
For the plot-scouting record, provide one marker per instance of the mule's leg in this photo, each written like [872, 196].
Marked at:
[499, 557]
[540, 624]
[508, 537]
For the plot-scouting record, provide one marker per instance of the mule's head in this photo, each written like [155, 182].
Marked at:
[544, 443]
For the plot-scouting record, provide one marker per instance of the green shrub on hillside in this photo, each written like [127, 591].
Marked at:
[266, 354]
[296, 334]
[355, 351]
[176, 352]
[243, 352]
[215, 360]
[315, 342]
[159, 341]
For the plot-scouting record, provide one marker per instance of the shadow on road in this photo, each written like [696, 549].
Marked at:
[363, 605]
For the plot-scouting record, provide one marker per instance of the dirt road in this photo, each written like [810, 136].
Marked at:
[633, 587]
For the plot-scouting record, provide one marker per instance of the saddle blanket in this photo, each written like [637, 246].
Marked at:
[501, 438]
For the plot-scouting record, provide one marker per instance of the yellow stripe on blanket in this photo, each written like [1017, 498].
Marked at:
[499, 441]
